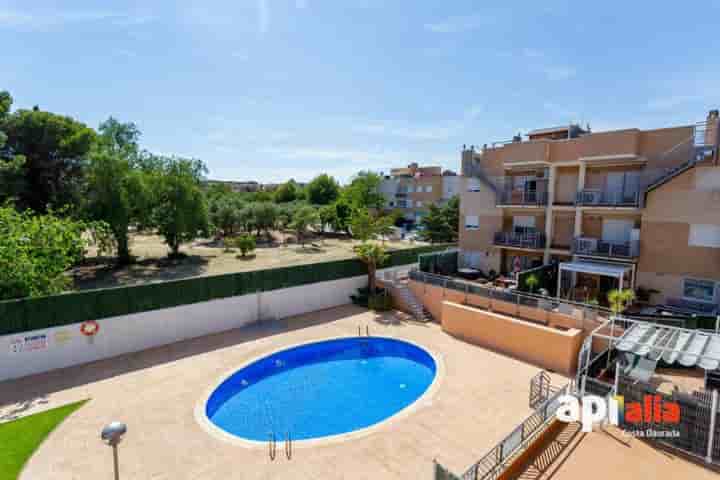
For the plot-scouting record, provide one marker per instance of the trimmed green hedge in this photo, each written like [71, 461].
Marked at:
[27, 314]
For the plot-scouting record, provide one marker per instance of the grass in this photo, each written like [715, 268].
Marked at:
[20, 438]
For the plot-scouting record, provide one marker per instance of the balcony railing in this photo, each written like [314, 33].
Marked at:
[601, 197]
[520, 240]
[602, 248]
[522, 197]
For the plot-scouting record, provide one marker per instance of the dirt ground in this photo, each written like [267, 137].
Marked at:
[208, 257]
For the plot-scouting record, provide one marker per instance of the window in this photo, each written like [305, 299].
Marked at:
[472, 222]
[418, 203]
[523, 224]
[410, 189]
[702, 290]
[428, 188]
[704, 236]
[617, 230]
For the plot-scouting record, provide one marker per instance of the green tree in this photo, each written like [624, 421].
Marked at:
[224, 212]
[363, 191]
[322, 190]
[117, 193]
[55, 149]
[372, 255]
[303, 220]
[343, 216]
[436, 227]
[385, 226]
[363, 225]
[531, 282]
[11, 166]
[451, 211]
[36, 250]
[328, 216]
[287, 192]
[180, 212]
[265, 216]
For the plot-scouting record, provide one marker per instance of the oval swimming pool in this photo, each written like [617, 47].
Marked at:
[321, 389]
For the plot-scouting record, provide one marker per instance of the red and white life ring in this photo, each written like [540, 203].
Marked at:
[90, 328]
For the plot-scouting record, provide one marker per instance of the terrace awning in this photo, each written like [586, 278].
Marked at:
[613, 270]
[688, 348]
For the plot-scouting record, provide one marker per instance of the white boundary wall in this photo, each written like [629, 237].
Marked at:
[39, 351]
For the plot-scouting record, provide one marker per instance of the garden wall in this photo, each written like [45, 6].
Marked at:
[58, 347]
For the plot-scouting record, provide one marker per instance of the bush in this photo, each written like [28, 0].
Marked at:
[245, 243]
[380, 302]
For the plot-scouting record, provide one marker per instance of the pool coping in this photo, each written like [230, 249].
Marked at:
[423, 401]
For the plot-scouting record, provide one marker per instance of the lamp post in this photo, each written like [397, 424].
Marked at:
[112, 435]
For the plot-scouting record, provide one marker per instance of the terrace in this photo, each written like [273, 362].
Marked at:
[602, 248]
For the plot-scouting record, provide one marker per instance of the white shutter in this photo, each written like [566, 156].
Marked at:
[704, 236]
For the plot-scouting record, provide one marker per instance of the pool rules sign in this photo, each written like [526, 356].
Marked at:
[29, 343]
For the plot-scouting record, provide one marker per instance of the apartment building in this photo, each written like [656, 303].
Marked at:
[412, 189]
[639, 208]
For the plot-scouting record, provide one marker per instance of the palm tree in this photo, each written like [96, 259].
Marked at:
[373, 255]
[620, 299]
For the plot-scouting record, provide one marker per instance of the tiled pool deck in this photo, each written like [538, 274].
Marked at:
[479, 398]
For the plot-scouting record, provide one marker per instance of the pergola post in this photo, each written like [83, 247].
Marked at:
[560, 272]
[711, 433]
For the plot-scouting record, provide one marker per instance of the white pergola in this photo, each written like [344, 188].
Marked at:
[613, 270]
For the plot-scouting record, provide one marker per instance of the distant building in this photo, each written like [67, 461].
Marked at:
[250, 186]
[413, 189]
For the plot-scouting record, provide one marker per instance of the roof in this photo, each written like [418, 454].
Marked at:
[543, 131]
[594, 268]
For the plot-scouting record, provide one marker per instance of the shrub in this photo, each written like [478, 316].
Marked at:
[381, 302]
[246, 244]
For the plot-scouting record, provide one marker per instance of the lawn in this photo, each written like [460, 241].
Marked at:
[20, 438]
[208, 257]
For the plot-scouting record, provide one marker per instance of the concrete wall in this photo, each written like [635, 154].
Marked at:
[47, 349]
[547, 347]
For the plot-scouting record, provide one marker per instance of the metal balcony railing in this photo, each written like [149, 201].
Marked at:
[520, 240]
[603, 197]
[601, 248]
[522, 197]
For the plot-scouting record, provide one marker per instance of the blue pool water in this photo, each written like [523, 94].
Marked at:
[320, 389]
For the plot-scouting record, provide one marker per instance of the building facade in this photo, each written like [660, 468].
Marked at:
[618, 200]
[412, 189]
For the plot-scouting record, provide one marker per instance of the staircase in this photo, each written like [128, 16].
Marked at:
[417, 309]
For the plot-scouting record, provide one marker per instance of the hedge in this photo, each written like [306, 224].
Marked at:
[27, 314]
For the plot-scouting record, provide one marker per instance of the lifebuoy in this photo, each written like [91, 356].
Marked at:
[90, 328]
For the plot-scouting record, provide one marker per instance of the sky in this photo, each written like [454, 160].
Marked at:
[269, 90]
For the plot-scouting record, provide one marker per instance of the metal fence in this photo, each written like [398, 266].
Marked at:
[27, 314]
[548, 303]
[492, 464]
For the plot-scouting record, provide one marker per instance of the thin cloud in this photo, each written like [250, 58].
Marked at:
[457, 24]
[558, 72]
[52, 18]
[263, 16]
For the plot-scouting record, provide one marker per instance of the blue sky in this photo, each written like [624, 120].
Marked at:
[274, 89]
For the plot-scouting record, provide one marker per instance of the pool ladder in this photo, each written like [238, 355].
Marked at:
[272, 446]
[367, 331]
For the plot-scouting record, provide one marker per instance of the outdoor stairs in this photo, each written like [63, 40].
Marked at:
[417, 309]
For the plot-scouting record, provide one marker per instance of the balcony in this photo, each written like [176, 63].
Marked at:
[528, 197]
[534, 240]
[591, 197]
[602, 248]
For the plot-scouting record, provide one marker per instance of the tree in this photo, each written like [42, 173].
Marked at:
[36, 250]
[224, 213]
[436, 227]
[363, 225]
[322, 190]
[117, 193]
[55, 149]
[363, 192]
[620, 300]
[328, 216]
[287, 192]
[531, 282]
[180, 213]
[264, 216]
[303, 220]
[451, 211]
[246, 244]
[372, 255]
[385, 226]
[343, 216]
[11, 166]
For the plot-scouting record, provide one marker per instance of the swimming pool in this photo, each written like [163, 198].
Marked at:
[321, 389]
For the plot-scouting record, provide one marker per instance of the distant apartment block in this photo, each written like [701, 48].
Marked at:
[412, 189]
[634, 207]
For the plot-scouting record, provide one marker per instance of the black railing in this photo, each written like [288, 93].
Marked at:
[520, 240]
[522, 197]
[627, 197]
[602, 248]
